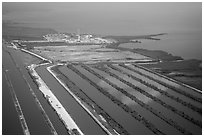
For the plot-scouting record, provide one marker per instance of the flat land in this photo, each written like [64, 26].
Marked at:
[153, 104]
[131, 99]
[186, 71]
[88, 53]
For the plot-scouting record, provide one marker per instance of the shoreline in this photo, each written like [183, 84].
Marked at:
[182, 83]
[177, 59]
[57, 106]
[54, 102]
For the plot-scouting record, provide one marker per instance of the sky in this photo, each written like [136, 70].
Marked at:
[107, 18]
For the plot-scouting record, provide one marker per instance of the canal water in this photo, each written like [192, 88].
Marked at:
[9, 112]
[80, 116]
[160, 124]
[23, 60]
[188, 45]
[169, 114]
[155, 93]
[123, 118]
[33, 116]
[171, 92]
[174, 84]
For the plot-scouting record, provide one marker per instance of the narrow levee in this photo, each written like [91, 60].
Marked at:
[189, 92]
[24, 60]
[107, 123]
[9, 112]
[129, 123]
[79, 115]
[161, 125]
[33, 116]
[157, 82]
[147, 98]
[158, 92]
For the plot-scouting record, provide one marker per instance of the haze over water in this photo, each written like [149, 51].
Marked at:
[182, 19]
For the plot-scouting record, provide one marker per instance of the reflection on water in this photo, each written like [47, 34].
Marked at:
[159, 85]
[124, 99]
[127, 121]
[129, 89]
[138, 108]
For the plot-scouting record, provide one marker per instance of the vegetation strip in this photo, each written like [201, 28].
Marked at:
[180, 113]
[45, 116]
[178, 82]
[101, 117]
[164, 84]
[133, 113]
[177, 99]
[54, 102]
[17, 106]
[155, 112]
[36, 55]
[64, 116]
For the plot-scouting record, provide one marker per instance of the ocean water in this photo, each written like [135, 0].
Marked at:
[188, 45]
[182, 21]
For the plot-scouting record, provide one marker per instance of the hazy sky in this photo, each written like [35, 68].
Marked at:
[108, 18]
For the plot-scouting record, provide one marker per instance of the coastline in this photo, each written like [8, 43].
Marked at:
[47, 93]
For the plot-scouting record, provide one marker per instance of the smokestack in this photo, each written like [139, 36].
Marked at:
[78, 33]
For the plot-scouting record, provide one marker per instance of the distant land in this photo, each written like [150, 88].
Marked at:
[56, 78]
[13, 31]
[115, 68]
